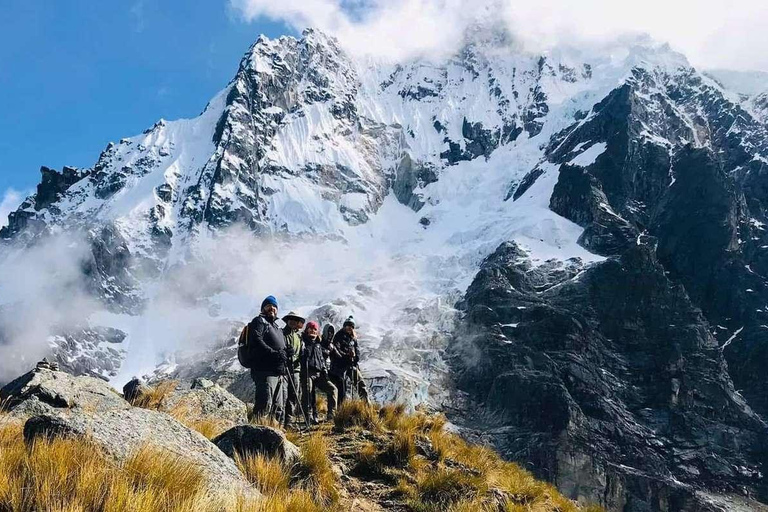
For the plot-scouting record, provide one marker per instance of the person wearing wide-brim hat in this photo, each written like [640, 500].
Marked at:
[294, 316]
[292, 331]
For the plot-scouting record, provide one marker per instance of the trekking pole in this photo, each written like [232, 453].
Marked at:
[296, 394]
[274, 400]
[356, 381]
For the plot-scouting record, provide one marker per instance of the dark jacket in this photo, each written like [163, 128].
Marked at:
[344, 353]
[266, 346]
[327, 342]
[312, 358]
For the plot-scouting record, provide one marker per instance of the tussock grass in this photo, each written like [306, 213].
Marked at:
[153, 399]
[443, 487]
[315, 470]
[208, 426]
[269, 475]
[368, 463]
[401, 450]
[296, 501]
[72, 474]
[439, 471]
[309, 485]
[357, 414]
[435, 470]
[266, 421]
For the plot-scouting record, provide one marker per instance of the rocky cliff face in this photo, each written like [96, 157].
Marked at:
[617, 379]
[606, 380]
[598, 215]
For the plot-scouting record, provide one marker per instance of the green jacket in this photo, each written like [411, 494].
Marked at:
[293, 339]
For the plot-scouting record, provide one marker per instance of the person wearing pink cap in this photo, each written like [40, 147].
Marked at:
[314, 374]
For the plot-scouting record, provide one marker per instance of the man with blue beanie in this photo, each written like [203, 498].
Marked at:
[267, 359]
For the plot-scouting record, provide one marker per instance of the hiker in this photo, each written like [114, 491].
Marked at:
[293, 326]
[314, 374]
[265, 354]
[327, 343]
[345, 356]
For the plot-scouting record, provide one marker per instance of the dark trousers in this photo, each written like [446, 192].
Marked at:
[293, 396]
[270, 395]
[354, 375]
[310, 384]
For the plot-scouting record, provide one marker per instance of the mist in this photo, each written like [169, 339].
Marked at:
[710, 33]
[42, 292]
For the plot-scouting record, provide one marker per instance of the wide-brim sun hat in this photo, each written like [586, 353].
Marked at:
[293, 316]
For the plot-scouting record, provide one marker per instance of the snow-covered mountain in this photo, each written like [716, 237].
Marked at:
[352, 186]
[749, 87]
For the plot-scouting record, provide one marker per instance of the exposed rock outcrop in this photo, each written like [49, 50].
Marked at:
[252, 439]
[207, 402]
[606, 380]
[47, 391]
[121, 433]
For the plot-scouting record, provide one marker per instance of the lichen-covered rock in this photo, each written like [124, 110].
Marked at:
[121, 433]
[44, 390]
[206, 400]
[245, 439]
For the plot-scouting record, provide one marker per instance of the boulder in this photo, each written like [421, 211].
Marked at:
[134, 389]
[121, 433]
[45, 391]
[202, 383]
[206, 400]
[245, 439]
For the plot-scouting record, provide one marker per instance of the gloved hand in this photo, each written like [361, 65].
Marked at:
[282, 357]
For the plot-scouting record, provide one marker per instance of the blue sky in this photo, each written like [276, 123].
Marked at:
[77, 74]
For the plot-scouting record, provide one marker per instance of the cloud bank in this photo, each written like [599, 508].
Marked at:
[11, 200]
[711, 33]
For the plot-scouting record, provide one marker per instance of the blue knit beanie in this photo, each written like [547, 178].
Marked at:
[269, 300]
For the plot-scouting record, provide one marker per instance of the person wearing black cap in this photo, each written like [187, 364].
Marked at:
[345, 356]
[293, 325]
[268, 359]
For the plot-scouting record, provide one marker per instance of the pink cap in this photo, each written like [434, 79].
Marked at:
[312, 324]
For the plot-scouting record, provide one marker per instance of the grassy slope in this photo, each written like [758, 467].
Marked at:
[369, 459]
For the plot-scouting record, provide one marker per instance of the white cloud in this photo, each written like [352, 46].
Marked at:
[711, 33]
[11, 200]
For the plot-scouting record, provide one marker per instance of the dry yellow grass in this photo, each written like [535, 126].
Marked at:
[448, 473]
[356, 413]
[309, 485]
[209, 427]
[435, 470]
[183, 412]
[316, 472]
[153, 399]
[401, 449]
[269, 475]
[72, 474]
[266, 421]
[295, 501]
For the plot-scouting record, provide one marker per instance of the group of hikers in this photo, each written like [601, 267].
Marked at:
[290, 365]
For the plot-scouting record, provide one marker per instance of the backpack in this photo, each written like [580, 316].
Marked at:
[242, 348]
